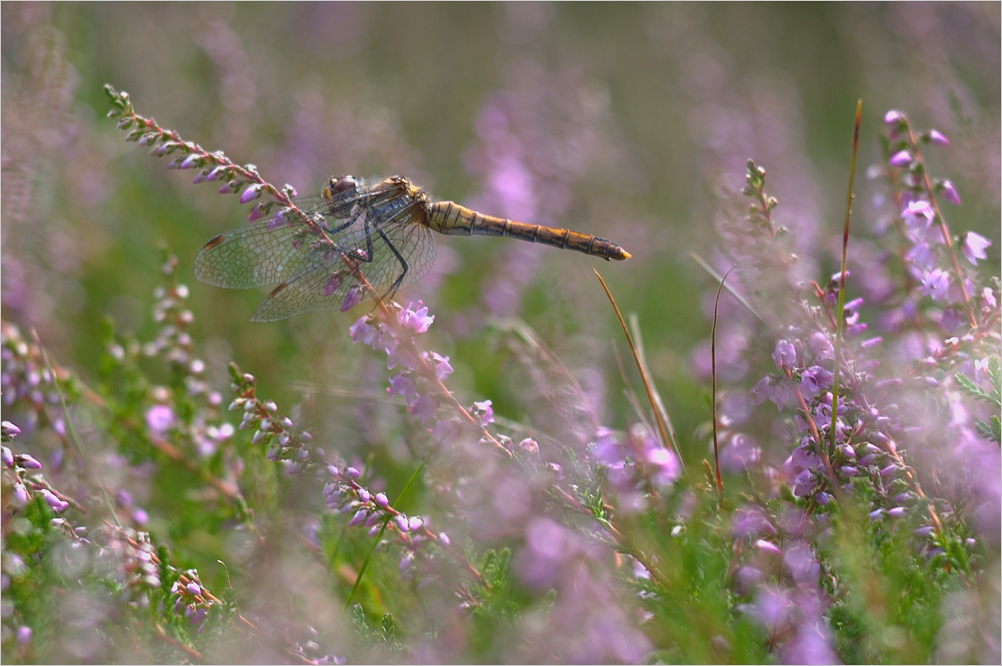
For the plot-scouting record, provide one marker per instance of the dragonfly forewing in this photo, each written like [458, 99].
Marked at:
[331, 254]
[262, 253]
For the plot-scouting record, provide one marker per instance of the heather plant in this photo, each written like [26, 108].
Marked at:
[876, 539]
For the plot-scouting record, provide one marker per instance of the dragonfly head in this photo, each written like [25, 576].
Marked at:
[340, 184]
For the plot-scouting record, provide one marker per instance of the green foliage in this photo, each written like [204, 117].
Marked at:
[381, 641]
[888, 606]
[991, 429]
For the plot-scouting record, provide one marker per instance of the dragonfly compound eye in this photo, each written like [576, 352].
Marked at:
[343, 183]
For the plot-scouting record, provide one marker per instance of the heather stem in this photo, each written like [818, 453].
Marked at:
[817, 437]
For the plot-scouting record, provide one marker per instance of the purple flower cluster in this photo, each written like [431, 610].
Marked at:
[173, 344]
[286, 444]
[191, 599]
[395, 335]
[27, 383]
[17, 484]
[393, 329]
[866, 454]
[344, 494]
[635, 466]
[923, 227]
[132, 559]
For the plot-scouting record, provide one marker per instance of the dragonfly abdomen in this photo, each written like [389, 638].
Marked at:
[447, 217]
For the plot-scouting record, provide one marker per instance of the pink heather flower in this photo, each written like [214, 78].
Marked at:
[814, 380]
[257, 212]
[804, 483]
[251, 193]
[20, 494]
[936, 284]
[740, 453]
[871, 343]
[918, 215]
[7, 457]
[484, 411]
[441, 363]
[57, 504]
[418, 321]
[853, 305]
[949, 192]
[9, 430]
[424, 409]
[820, 346]
[28, 462]
[278, 220]
[332, 283]
[352, 298]
[159, 418]
[406, 560]
[893, 117]
[776, 391]
[664, 466]
[768, 547]
[973, 247]
[751, 521]
[785, 355]
[216, 173]
[402, 385]
[937, 138]
[989, 297]
[900, 159]
[922, 256]
[362, 331]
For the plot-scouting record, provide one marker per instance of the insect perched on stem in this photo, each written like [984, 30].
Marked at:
[356, 242]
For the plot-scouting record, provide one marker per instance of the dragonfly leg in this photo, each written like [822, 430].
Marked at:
[403, 265]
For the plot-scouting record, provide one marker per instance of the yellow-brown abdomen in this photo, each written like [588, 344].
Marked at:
[450, 218]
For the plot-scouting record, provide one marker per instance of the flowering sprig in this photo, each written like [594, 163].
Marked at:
[345, 495]
[27, 381]
[20, 481]
[130, 562]
[919, 208]
[393, 329]
[213, 166]
[286, 444]
[182, 419]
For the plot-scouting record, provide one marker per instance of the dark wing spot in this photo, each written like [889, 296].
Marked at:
[278, 289]
[214, 242]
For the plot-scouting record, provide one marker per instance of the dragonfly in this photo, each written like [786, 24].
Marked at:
[358, 241]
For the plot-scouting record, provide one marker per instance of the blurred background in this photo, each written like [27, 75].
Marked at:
[629, 121]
